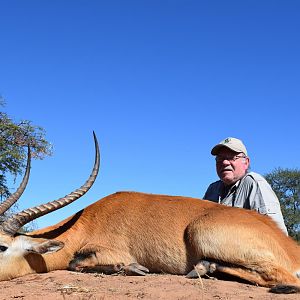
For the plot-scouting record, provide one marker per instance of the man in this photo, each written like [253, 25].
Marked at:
[238, 187]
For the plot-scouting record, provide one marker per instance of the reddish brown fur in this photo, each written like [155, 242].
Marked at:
[170, 234]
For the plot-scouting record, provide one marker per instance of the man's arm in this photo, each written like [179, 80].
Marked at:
[264, 200]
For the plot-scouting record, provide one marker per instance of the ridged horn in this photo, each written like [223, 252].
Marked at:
[14, 223]
[4, 206]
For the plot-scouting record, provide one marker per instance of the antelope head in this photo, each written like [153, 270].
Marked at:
[17, 250]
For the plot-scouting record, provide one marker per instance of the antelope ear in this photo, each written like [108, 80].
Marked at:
[46, 246]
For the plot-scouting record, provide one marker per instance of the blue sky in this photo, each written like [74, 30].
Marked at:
[160, 82]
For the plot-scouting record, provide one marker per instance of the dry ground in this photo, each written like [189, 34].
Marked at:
[69, 285]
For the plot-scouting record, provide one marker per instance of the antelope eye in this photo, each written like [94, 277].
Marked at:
[3, 248]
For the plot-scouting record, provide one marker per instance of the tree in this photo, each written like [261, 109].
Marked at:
[286, 185]
[14, 136]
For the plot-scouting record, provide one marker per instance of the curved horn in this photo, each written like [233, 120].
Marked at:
[13, 224]
[16, 195]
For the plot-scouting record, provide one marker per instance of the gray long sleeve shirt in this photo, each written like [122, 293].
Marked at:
[251, 192]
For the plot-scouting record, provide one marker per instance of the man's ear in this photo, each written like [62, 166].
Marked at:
[246, 160]
[47, 246]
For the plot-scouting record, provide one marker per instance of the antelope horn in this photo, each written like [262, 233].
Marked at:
[16, 195]
[14, 223]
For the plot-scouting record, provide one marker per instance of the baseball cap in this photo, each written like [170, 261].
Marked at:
[231, 143]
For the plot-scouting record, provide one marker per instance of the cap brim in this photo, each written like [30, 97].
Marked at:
[215, 150]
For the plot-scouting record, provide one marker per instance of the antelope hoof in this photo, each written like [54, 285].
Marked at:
[135, 269]
[202, 268]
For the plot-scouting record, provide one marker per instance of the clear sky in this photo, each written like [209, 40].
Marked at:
[160, 82]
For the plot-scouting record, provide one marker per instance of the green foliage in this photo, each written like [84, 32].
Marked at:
[13, 137]
[286, 185]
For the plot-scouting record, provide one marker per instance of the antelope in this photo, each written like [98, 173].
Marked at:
[137, 233]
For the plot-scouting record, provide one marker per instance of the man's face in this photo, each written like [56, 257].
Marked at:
[231, 166]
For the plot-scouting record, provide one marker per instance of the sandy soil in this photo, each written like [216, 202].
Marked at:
[75, 286]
